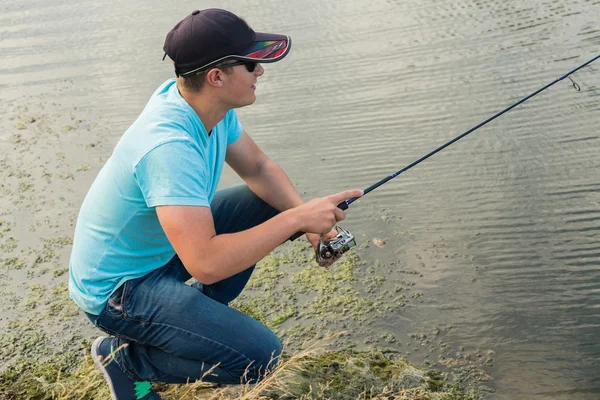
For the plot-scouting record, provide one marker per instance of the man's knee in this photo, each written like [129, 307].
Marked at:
[263, 361]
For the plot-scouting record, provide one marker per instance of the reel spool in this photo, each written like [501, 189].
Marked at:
[332, 249]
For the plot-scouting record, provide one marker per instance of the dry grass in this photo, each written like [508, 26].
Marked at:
[305, 375]
[89, 381]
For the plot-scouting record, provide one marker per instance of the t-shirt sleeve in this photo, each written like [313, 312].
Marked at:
[234, 127]
[173, 173]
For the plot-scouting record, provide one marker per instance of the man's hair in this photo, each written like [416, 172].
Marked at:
[192, 83]
[195, 83]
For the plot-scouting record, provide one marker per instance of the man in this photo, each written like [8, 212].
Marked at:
[153, 220]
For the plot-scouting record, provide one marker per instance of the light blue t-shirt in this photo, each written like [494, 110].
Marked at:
[166, 157]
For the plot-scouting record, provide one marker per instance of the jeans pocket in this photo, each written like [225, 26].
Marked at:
[116, 301]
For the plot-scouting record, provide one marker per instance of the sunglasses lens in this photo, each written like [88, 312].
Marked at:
[250, 65]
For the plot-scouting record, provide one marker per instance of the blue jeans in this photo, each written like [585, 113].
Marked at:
[176, 332]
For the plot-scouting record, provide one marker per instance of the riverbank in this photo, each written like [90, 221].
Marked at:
[48, 161]
[309, 374]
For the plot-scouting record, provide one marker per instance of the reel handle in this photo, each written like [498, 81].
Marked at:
[342, 206]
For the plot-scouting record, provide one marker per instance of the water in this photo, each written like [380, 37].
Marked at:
[503, 226]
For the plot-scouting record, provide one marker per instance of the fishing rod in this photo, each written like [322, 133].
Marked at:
[332, 249]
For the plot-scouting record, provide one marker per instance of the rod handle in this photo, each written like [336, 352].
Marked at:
[343, 206]
[295, 236]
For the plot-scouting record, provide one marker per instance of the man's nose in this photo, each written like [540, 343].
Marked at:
[259, 70]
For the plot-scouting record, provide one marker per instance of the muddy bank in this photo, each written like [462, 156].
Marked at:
[47, 162]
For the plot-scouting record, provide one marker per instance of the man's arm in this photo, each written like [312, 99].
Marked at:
[266, 179]
[211, 258]
[263, 176]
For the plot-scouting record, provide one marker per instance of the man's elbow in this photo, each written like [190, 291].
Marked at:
[203, 274]
[206, 277]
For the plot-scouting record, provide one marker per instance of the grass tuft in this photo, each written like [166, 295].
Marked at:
[309, 374]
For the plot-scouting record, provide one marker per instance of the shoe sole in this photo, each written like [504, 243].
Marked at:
[102, 368]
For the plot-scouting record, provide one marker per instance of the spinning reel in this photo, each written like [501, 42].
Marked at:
[332, 249]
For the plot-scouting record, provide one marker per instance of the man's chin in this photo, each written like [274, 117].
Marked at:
[246, 103]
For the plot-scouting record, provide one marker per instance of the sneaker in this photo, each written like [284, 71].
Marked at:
[121, 386]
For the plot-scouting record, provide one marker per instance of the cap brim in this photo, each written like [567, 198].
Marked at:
[267, 47]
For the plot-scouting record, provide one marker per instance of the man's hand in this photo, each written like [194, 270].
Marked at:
[321, 215]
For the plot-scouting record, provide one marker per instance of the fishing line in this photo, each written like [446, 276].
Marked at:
[575, 85]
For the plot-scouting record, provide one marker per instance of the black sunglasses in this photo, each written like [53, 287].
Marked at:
[250, 65]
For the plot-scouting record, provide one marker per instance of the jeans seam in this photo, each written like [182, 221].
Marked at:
[248, 360]
[124, 298]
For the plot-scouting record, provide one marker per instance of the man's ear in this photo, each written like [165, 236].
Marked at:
[214, 77]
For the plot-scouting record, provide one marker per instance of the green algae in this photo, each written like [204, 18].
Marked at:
[340, 374]
[267, 274]
[16, 138]
[373, 284]
[60, 303]
[25, 185]
[9, 245]
[314, 279]
[61, 240]
[328, 295]
[60, 272]
[48, 378]
[272, 298]
[345, 375]
[265, 309]
[66, 176]
[91, 145]
[14, 263]
[83, 167]
[296, 335]
[345, 268]
[284, 316]
[36, 293]
[349, 374]
[321, 280]
[389, 337]
[44, 255]
[253, 307]
[23, 339]
[332, 307]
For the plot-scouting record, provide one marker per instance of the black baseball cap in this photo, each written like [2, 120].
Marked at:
[208, 37]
